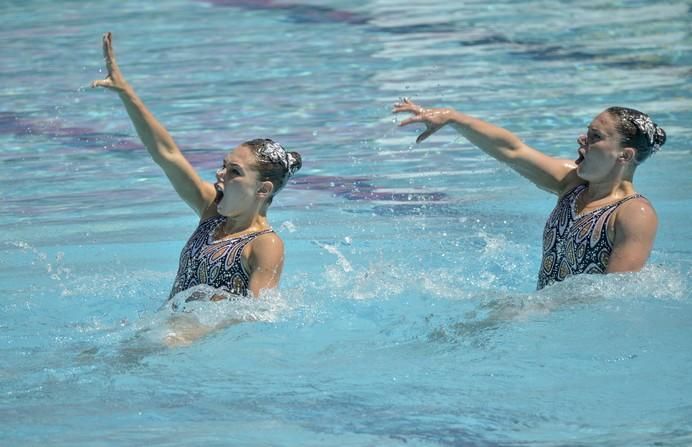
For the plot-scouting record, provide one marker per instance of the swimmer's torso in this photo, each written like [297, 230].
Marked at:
[217, 263]
[574, 243]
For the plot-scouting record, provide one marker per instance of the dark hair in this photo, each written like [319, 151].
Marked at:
[274, 163]
[638, 131]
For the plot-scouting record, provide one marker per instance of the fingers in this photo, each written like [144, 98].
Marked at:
[406, 105]
[430, 117]
[106, 83]
[429, 131]
[399, 108]
[108, 45]
[100, 83]
[413, 119]
[108, 53]
[113, 79]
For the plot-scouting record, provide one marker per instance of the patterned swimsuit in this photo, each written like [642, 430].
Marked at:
[574, 243]
[215, 263]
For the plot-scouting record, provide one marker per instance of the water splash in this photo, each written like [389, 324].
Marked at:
[56, 270]
[343, 263]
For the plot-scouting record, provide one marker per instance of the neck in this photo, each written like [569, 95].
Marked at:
[241, 223]
[608, 190]
[616, 185]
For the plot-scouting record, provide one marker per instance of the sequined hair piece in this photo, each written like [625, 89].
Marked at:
[638, 131]
[648, 128]
[275, 153]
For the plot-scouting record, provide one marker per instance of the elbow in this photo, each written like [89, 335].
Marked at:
[512, 153]
[164, 155]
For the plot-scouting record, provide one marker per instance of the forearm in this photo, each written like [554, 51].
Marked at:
[547, 172]
[497, 142]
[153, 134]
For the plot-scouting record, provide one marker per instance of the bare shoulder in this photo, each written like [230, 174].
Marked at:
[638, 215]
[638, 208]
[267, 248]
[268, 241]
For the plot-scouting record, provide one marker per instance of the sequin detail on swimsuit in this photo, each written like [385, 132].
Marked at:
[574, 244]
[215, 263]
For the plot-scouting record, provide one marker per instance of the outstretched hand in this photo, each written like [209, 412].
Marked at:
[434, 119]
[114, 80]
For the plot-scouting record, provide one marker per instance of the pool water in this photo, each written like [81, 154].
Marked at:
[408, 313]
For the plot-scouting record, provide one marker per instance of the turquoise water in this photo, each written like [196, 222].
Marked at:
[408, 313]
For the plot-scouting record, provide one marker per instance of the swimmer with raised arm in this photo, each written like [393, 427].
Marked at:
[600, 223]
[234, 248]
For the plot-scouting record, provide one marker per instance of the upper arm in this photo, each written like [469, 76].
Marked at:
[635, 231]
[548, 173]
[265, 261]
[197, 193]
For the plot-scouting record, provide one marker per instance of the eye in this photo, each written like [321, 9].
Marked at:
[234, 172]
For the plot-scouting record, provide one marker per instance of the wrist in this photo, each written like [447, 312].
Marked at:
[125, 90]
[450, 115]
[454, 118]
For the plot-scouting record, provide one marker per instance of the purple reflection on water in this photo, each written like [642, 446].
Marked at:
[335, 184]
[298, 12]
[361, 188]
[11, 123]
[71, 137]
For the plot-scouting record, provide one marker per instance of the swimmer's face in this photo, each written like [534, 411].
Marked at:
[238, 180]
[600, 149]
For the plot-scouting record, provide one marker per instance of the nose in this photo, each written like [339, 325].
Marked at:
[220, 173]
[581, 140]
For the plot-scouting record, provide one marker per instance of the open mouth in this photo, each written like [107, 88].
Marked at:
[580, 158]
[219, 194]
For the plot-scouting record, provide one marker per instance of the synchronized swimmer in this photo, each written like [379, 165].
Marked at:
[234, 248]
[599, 225]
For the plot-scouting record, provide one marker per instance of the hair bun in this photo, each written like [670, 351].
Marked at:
[295, 162]
[659, 138]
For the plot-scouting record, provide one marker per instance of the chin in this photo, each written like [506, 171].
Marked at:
[583, 173]
[227, 210]
[223, 212]
[221, 209]
[580, 173]
[590, 176]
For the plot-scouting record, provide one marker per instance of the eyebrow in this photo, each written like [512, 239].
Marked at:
[227, 164]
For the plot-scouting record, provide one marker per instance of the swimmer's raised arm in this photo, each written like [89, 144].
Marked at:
[161, 146]
[551, 174]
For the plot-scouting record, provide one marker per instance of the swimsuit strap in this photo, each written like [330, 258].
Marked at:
[247, 238]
